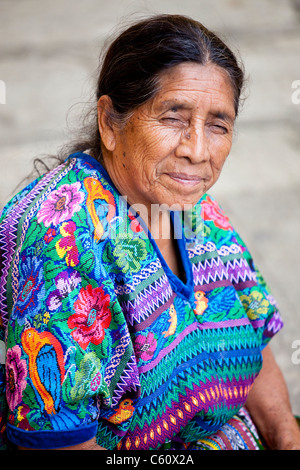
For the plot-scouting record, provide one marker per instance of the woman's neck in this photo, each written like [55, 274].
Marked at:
[161, 228]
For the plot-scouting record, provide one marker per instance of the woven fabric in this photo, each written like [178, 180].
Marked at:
[102, 338]
[239, 433]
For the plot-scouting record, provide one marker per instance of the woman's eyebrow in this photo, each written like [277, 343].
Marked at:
[171, 104]
[179, 105]
[224, 116]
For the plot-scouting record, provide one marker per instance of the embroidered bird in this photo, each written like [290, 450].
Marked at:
[201, 302]
[173, 322]
[123, 412]
[46, 366]
[96, 191]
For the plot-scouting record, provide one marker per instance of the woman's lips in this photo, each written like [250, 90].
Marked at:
[186, 179]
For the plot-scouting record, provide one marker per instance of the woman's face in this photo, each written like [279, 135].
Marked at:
[172, 149]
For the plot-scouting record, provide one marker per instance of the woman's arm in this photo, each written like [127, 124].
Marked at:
[269, 405]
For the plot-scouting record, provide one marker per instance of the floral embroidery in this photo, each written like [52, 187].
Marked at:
[134, 224]
[49, 235]
[61, 204]
[95, 347]
[145, 346]
[92, 316]
[67, 244]
[31, 290]
[23, 422]
[88, 378]
[16, 373]
[212, 211]
[65, 282]
[129, 254]
[255, 304]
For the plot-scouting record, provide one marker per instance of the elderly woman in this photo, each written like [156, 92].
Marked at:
[133, 315]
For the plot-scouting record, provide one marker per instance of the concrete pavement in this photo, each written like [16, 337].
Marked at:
[48, 53]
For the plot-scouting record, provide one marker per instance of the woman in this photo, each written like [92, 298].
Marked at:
[134, 315]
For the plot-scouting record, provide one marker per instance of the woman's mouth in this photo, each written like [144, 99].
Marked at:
[186, 179]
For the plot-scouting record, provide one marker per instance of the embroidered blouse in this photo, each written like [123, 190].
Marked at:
[102, 339]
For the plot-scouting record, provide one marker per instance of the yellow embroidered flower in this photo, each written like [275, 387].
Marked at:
[255, 304]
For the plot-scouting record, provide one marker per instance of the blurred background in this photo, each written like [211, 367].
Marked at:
[48, 55]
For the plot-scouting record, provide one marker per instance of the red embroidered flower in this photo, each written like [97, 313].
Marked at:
[92, 316]
[212, 211]
[134, 224]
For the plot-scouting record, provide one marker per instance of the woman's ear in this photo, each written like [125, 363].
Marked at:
[106, 129]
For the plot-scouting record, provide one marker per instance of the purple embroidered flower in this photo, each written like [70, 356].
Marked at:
[16, 373]
[61, 204]
[65, 282]
[145, 346]
[31, 290]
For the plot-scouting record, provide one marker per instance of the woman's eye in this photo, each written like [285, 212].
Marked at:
[174, 119]
[171, 119]
[220, 129]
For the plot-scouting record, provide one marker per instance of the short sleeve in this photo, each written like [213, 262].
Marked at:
[67, 339]
[258, 301]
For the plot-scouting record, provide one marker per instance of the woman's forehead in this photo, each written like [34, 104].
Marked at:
[187, 84]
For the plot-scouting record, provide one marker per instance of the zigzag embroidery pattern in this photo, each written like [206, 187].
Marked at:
[208, 271]
[182, 410]
[196, 349]
[9, 232]
[239, 271]
[128, 381]
[213, 270]
[139, 278]
[274, 325]
[213, 387]
[147, 301]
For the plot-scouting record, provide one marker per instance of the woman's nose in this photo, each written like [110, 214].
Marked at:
[194, 145]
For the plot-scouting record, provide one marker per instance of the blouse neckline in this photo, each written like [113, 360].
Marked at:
[180, 287]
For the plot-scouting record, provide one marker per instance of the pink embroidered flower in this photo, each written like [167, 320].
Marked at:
[134, 224]
[16, 373]
[212, 211]
[145, 346]
[67, 245]
[92, 316]
[61, 204]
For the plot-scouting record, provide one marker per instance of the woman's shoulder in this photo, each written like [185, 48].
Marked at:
[212, 212]
[61, 183]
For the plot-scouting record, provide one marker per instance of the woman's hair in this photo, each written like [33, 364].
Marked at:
[132, 65]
